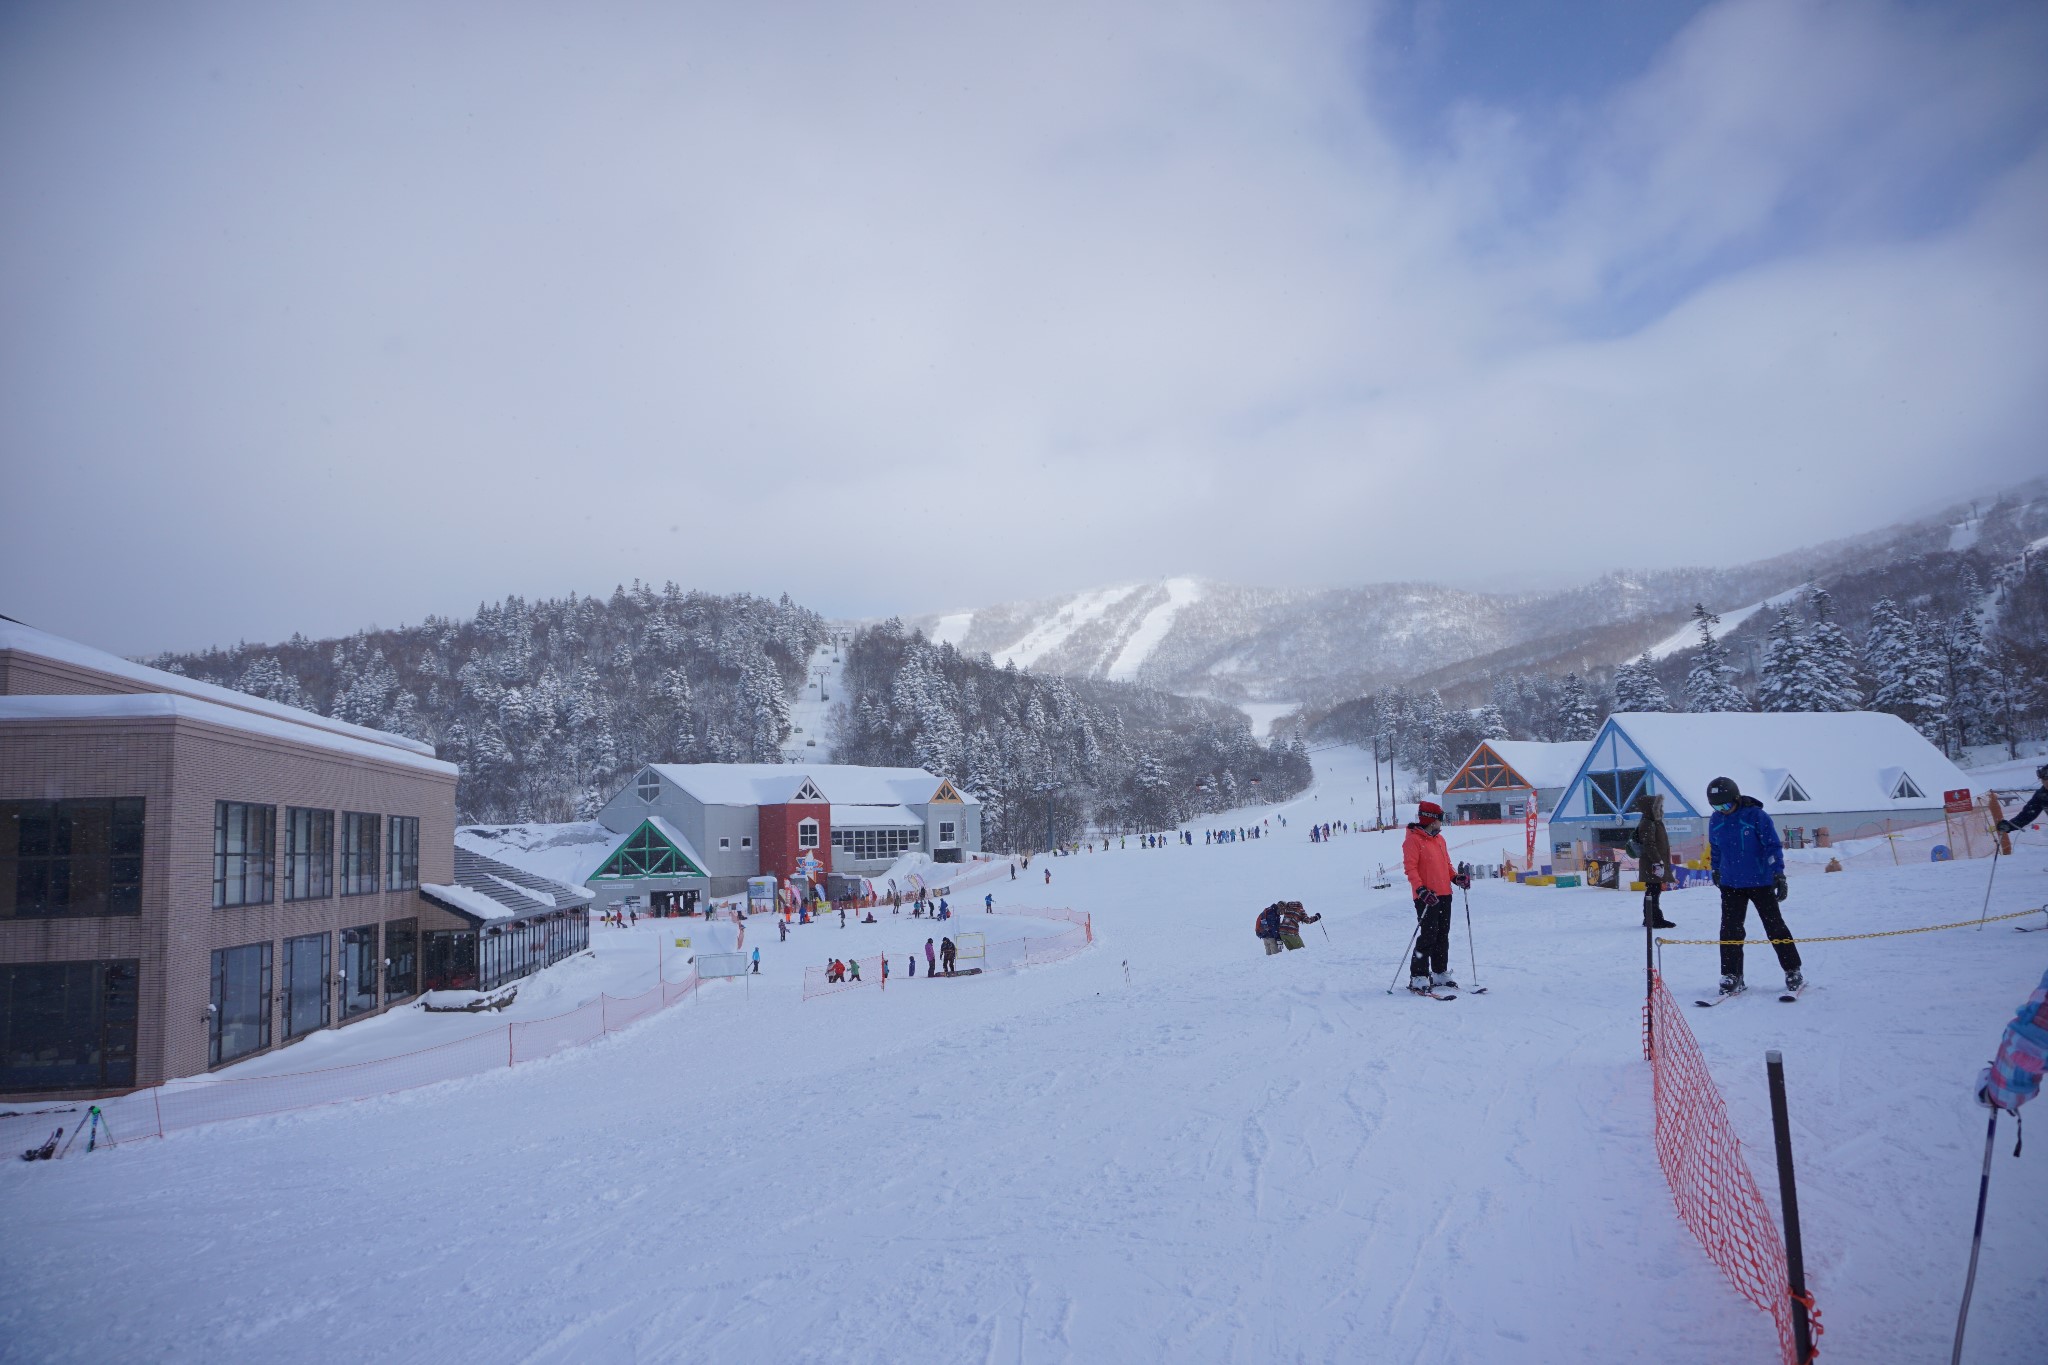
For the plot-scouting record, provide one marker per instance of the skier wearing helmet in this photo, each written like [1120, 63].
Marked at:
[1749, 867]
[1428, 864]
[2036, 803]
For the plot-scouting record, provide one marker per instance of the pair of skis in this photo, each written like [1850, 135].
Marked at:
[1784, 997]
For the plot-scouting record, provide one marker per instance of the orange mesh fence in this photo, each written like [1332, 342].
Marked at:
[193, 1102]
[1080, 917]
[1038, 948]
[1711, 1183]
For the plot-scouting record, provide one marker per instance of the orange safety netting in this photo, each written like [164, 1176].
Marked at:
[192, 1102]
[1716, 1194]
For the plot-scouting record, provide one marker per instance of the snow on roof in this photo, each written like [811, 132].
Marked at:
[486, 889]
[569, 855]
[1844, 761]
[773, 784]
[139, 705]
[43, 645]
[875, 817]
[475, 904]
[1542, 765]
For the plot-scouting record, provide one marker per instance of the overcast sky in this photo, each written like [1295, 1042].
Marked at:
[318, 316]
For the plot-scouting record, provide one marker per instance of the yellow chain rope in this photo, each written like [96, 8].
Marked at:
[1844, 938]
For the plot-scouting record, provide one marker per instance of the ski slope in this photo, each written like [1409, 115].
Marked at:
[1170, 1148]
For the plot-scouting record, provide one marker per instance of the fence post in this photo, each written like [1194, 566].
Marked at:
[1649, 990]
[510, 1060]
[1788, 1195]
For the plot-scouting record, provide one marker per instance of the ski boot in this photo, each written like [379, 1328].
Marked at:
[1793, 981]
[1732, 985]
[1442, 981]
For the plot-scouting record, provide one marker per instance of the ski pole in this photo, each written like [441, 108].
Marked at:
[1471, 953]
[1988, 881]
[1976, 1238]
[1407, 957]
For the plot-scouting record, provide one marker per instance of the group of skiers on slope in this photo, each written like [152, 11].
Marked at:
[1279, 925]
[1320, 834]
[936, 960]
[1230, 836]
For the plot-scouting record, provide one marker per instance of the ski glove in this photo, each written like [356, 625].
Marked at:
[1782, 887]
[1463, 879]
[2006, 827]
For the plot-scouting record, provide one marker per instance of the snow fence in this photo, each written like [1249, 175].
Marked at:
[1716, 1193]
[192, 1103]
[1029, 951]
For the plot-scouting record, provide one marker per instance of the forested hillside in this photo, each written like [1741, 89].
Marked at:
[548, 705]
[1041, 749]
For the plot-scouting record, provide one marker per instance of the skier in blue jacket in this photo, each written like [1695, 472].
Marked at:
[1749, 867]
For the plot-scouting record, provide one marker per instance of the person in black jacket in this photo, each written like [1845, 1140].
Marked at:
[2036, 803]
[1650, 844]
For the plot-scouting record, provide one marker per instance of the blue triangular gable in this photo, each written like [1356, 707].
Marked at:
[1614, 752]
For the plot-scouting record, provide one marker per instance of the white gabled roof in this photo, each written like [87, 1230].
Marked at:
[773, 784]
[43, 645]
[1845, 760]
[1542, 765]
[135, 705]
[875, 817]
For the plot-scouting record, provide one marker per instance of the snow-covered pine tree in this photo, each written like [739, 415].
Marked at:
[1576, 717]
[1832, 656]
[1926, 707]
[1789, 681]
[1964, 677]
[1710, 685]
[1637, 688]
[1490, 723]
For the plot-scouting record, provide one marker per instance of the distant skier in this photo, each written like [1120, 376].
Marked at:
[1048, 876]
[757, 962]
[947, 953]
[1651, 845]
[853, 969]
[988, 903]
[784, 927]
[2036, 803]
[931, 958]
[1428, 863]
[1749, 867]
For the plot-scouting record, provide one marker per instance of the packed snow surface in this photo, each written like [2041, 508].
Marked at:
[1169, 1148]
[1688, 635]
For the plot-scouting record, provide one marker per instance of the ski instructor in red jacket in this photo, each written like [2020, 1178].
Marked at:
[1428, 863]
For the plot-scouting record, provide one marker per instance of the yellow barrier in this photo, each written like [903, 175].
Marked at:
[1845, 938]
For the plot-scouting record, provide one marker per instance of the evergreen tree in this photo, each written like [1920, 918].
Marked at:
[1789, 681]
[1576, 718]
[1490, 723]
[1638, 689]
[1710, 685]
[1833, 657]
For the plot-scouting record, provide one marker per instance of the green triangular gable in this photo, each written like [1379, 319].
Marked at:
[647, 852]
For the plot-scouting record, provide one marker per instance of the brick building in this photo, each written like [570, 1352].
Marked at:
[189, 875]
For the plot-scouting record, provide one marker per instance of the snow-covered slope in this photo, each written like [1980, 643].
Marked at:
[1170, 1148]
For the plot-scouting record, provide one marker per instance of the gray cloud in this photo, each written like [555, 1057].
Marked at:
[318, 317]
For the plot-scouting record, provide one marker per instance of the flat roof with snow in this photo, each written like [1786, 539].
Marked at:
[159, 705]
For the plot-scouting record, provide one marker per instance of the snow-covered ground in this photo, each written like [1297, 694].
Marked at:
[1168, 1148]
[1688, 635]
[809, 739]
[1180, 593]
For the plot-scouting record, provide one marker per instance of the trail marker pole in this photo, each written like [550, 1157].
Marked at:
[1788, 1196]
[1976, 1238]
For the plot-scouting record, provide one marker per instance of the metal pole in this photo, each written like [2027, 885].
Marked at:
[1407, 957]
[1649, 988]
[1987, 886]
[1976, 1238]
[1788, 1196]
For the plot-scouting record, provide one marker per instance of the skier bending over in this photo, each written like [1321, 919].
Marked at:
[2036, 803]
[1749, 867]
[1428, 864]
[1292, 917]
[1267, 927]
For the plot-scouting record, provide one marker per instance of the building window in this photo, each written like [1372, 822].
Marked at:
[358, 853]
[308, 854]
[450, 960]
[945, 831]
[358, 970]
[307, 997]
[404, 872]
[1612, 793]
[649, 786]
[866, 845]
[724, 844]
[746, 841]
[239, 1023]
[401, 958]
[68, 1025]
[70, 858]
[807, 834]
[243, 851]
[1906, 789]
[1790, 790]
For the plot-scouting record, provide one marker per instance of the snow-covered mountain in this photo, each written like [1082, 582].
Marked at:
[1252, 644]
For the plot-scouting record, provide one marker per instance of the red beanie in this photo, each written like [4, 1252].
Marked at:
[1429, 810]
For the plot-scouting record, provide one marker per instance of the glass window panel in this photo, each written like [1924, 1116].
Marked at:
[401, 958]
[70, 858]
[359, 964]
[308, 995]
[240, 1021]
[66, 1025]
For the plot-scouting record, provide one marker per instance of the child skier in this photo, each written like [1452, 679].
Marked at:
[1428, 864]
[1292, 917]
[1749, 867]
